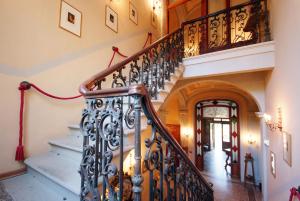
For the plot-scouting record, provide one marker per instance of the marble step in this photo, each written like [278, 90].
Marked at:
[56, 168]
[32, 187]
[61, 166]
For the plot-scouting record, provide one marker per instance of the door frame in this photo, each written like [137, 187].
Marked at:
[234, 132]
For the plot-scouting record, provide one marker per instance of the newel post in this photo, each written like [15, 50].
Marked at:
[137, 178]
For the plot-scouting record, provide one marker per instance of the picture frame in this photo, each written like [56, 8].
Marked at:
[70, 18]
[133, 13]
[273, 164]
[111, 19]
[154, 19]
[287, 148]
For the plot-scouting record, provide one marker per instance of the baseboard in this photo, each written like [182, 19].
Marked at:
[13, 173]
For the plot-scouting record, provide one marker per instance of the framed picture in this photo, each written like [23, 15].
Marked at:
[133, 14]
[273, 163]
[287, 148]
[70, 19]
[153, 19]
[111, 19]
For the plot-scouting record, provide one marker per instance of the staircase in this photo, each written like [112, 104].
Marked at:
[58, 169]
[121, 117]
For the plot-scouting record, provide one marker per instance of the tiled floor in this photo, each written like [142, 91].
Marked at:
[226, 188]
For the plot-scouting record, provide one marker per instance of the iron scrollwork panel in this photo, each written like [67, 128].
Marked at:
[170, 175]
[102, 126]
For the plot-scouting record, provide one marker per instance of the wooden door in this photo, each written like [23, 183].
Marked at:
[174, 129]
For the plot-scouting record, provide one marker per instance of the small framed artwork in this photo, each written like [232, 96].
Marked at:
[153, 19]
[273, 163]
[70, 19]
[133, 14]
[287, 148]
[111, 19]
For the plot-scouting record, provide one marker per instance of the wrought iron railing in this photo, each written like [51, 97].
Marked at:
[237, 26]
[117, 98]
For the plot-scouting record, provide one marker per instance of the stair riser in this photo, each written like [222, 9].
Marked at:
[76, 132]
[65, 152]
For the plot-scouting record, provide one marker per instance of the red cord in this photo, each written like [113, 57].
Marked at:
[52, 96]
[20, 149]
[148, 37]
[116, 50]
[112, 58]
[26, 85]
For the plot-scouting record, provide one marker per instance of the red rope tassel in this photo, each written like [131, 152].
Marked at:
[20, 149]
[25, 86]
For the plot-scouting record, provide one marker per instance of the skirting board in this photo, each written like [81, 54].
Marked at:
[14, 173]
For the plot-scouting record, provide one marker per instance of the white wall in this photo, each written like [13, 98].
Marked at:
[35, 49]
[283, 91]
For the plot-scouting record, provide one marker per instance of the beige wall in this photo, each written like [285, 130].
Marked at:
[283, 91]
[34, 48]
[33, 25]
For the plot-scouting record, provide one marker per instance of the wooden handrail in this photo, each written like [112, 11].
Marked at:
[221, 12]
[84, 88]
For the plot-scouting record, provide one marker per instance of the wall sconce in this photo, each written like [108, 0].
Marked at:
[251, 139]
[186, 131]
[273, 126]
[156, 5]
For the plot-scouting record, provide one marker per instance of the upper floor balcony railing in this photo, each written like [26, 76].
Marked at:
[237, 26]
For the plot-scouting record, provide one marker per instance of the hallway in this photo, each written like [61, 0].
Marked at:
[225, 190]
[225, 187]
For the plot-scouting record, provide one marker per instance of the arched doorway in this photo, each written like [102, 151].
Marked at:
[217, 131]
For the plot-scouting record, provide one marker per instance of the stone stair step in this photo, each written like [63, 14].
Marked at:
[30, 187]
[58, 169]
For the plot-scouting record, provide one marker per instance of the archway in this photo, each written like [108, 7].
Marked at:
[187, 93]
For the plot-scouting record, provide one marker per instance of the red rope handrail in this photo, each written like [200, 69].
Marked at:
[26, 86]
